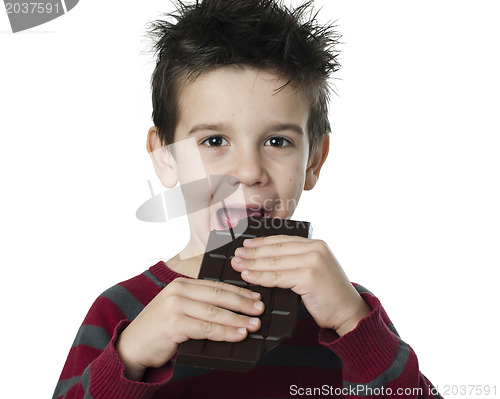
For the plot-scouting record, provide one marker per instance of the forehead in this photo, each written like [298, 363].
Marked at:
[241, 96]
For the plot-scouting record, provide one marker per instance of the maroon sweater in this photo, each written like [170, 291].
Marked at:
[369, 361]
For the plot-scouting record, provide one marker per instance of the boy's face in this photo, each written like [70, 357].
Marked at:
[245, 129]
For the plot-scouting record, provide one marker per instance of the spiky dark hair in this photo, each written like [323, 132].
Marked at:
[264, 34]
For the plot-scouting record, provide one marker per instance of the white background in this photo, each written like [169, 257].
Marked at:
[408, 200]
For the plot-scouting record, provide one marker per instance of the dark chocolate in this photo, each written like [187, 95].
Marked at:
[280, 316]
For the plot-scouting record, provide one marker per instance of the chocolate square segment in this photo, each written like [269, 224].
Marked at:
[279, 319]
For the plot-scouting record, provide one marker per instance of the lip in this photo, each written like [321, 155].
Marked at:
[230, 215]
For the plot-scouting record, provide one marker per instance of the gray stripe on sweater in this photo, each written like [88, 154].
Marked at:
[153, 278]
[93, 336]
[121, 297]
[64, 386]
[86, 383]
[363, 290]
[393, 329]
[97, 337]
[392, 373]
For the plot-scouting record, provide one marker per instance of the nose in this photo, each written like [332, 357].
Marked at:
[249, 168]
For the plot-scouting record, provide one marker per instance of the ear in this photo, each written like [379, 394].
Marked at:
[163, 160]
[316, 162]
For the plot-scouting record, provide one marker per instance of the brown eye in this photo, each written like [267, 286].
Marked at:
[214, 141]
[278, 141]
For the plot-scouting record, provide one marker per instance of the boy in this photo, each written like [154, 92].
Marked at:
[242, 86]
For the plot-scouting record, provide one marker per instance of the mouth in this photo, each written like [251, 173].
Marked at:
[228, 217]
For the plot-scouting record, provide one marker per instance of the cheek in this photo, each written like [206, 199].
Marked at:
[293, 183]
[297, 177]
[215, 164]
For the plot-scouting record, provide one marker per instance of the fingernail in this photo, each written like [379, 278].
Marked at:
[255, 295]
[237, 260]
[241, 330]
[253, 321]
[240, 251]
[247, 241]
[245, 272]
[258, 305]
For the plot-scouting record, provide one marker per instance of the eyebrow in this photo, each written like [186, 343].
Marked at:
[287, 126]
[217, 127]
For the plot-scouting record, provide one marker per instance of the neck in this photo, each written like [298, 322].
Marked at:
[188, 266]
[188, 261]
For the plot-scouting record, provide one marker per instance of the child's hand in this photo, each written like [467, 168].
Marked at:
[310, 269]
[186, 309]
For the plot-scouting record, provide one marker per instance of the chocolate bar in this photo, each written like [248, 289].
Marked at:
[280, 316]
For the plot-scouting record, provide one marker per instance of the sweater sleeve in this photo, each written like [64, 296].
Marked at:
[375, 361]
[93, 367]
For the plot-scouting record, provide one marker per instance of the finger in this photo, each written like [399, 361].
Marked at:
[259, 241]
[274, 278]
[272, 263]
[210, 283]
[218, 294]
[215, 314]
[274, 249]
[202, 329]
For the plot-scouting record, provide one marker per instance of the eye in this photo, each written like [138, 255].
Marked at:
[214, 141]
[278, 141]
